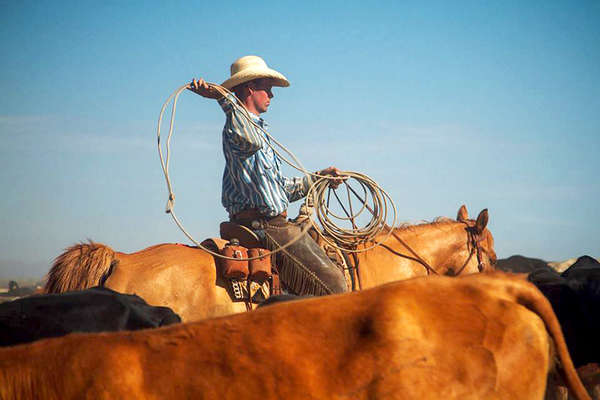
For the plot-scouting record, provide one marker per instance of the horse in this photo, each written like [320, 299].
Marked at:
[186, 279]
[443, 247]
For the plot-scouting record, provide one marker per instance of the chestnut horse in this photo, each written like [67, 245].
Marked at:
[185, 278]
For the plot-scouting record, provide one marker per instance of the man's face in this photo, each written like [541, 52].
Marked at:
[260, 94]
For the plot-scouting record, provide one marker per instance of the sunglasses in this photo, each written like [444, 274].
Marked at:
[261, 86]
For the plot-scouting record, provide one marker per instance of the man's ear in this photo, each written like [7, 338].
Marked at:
[462, 215]
[244, 91]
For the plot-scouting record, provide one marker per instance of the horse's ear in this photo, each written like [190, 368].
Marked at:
[462, 215]
[482, 220]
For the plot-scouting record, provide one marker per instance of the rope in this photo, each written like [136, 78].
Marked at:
[348, 239]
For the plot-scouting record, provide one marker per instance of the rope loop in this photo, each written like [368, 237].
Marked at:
[349, 239]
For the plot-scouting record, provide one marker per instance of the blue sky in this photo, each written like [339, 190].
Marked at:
[489, 104]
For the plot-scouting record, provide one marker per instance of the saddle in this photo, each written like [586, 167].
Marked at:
[256, 280]
[250, 281]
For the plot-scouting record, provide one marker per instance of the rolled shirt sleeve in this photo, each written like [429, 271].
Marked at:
[242, 135]
[296, 188]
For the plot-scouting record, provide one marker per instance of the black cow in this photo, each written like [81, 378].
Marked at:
[93, 310]
[575, 298]
[521, 264]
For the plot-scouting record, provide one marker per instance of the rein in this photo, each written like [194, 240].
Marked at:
[415, 257]
[473, 243]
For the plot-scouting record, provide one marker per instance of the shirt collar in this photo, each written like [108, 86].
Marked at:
[258, 120]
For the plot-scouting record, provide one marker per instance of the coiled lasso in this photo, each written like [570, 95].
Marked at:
[348, 239]
[343, 239]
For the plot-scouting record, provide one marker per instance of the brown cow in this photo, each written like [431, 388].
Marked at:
[477, 337]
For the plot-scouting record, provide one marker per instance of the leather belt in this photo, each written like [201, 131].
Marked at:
[254, 214]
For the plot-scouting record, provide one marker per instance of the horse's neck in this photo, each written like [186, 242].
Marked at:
[435, 243]
[413, 251]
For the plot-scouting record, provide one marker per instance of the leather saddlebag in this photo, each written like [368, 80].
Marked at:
[234, 269]
[260, 268]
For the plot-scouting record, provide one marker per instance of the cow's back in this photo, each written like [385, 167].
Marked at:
[423, 338]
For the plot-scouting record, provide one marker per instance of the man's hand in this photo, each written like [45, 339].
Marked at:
[333, 171]
[199, 86]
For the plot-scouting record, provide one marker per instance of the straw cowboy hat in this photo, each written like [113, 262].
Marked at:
[249, 68]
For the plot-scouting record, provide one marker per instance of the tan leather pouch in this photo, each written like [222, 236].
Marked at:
[234, 269]
[260, 268]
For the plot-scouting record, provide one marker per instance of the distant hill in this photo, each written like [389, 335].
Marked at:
[518, 263]
[560, 266]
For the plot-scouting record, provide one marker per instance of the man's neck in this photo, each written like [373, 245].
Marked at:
[250, 106]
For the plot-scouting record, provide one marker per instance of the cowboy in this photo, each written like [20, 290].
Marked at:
[255, 193]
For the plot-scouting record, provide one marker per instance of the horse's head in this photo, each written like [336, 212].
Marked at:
[481, 241]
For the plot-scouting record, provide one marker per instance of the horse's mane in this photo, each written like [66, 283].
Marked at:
[436, 221]
[79, 267]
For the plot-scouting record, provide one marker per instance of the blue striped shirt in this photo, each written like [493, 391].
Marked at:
[252, 178]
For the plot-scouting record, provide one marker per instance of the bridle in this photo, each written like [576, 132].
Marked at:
[473, 244]
[475, 238]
